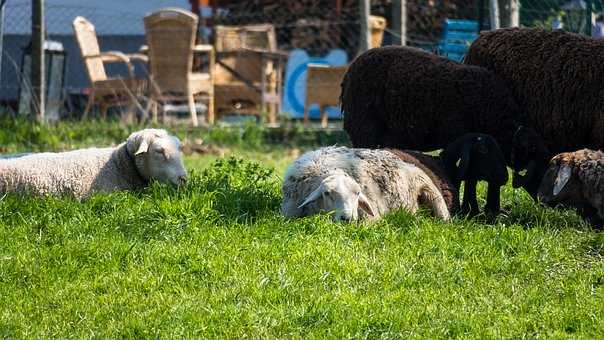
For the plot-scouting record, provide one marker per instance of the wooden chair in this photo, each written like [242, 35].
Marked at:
[106, 91]
[249, 70]
[323, 88]
[323, 81]
[171, 36]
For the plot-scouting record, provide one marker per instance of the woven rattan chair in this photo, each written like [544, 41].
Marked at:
[106, 91]
[171, 36]
[249, 70]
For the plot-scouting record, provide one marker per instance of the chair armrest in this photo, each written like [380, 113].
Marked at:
[115, 57]
[203, 48]
[138, 56]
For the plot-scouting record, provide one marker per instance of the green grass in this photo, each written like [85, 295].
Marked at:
[215, 259]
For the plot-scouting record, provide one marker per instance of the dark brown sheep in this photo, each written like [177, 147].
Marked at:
[406, 98]
[557, 79]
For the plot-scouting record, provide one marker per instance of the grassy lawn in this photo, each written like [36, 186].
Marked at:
[215, 259]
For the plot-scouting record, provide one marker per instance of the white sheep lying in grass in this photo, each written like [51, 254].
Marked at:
[146, 155]
[357, 183]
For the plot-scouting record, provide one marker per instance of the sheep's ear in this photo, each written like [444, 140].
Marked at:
[143, 147]
[464, 163]
[177, 143]
[316, 194]
[561, 179]
[162, 151]
[365, 205]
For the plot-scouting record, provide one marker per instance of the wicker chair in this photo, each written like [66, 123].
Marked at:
[171, 36]
[106, 91]
[249, 71]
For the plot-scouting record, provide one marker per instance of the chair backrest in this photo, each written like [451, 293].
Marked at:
[378, 25]
[89, 48]
[260, 37]
[457, 37]
[170, 36]
[323, 84]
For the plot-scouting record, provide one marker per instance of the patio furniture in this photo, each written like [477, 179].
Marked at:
[323, 80]
[323, 88]
[171, 36]
[378, 26]
[106, 91]
[457, 38]
[248, 70]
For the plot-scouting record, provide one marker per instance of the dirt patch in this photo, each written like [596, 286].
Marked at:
[198, 147]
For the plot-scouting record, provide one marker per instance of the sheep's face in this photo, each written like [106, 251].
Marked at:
[158, 156]
[342, 195]
[559, 185]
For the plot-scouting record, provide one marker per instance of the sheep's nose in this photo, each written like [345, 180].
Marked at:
[343, 218]
[182, 180]
[542, 198]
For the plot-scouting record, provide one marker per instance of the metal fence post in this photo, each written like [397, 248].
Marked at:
[2, 4]
[37, 60]
[514, 9]
[365, 34]
[588, 15]
[480, 15]
[399, 22]
[494, 12]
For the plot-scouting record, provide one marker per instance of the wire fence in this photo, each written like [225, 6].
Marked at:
[309, 31]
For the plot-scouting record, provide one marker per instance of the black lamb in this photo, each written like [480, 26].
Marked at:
[480, 159]
[406, 98]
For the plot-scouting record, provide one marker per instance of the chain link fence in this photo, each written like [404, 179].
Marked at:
[319, 31]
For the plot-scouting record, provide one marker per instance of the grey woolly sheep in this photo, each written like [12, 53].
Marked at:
[356, 183]
[576, 179]
[556, 78]
[406, 98]
[147, 154]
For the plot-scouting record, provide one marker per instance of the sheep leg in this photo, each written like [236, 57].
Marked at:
[432, 198]
[597, 137]
[470, 203]
[493, 200]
